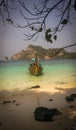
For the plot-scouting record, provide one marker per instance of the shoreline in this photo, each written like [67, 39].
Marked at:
[18, 113]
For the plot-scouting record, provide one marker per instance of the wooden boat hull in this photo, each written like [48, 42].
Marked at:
[35, 70]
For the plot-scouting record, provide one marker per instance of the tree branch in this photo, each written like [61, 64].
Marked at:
[63, 48]
[1, 2]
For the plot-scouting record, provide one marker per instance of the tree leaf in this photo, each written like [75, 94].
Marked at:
[48, 31]
[48, 37]
[32, 27]
[55, 37]
[65, 21]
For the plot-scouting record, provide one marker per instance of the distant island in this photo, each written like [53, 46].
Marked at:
[44, 54]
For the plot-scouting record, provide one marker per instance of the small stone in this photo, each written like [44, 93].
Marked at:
[50, 99]
[13, 101]
[4, 102]
[37, 86]
[17, 104]
[71, 106]
[69, 98]
[8, 101]
[0, 123]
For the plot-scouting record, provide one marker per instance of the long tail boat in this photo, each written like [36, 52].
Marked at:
[35, 68]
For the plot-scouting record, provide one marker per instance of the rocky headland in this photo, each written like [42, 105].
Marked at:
[44, 54]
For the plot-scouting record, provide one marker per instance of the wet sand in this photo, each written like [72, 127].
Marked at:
[17, 110]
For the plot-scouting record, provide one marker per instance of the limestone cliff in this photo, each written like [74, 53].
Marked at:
[42, 53]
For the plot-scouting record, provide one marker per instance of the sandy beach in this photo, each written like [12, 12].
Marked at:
[17, 110]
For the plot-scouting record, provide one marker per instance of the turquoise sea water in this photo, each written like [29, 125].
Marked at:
[56, 74]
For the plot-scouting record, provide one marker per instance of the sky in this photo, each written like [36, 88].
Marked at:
[13, 41]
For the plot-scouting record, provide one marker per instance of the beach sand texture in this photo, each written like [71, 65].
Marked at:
[17, 110]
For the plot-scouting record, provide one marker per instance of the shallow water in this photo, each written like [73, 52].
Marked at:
[14, 76]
